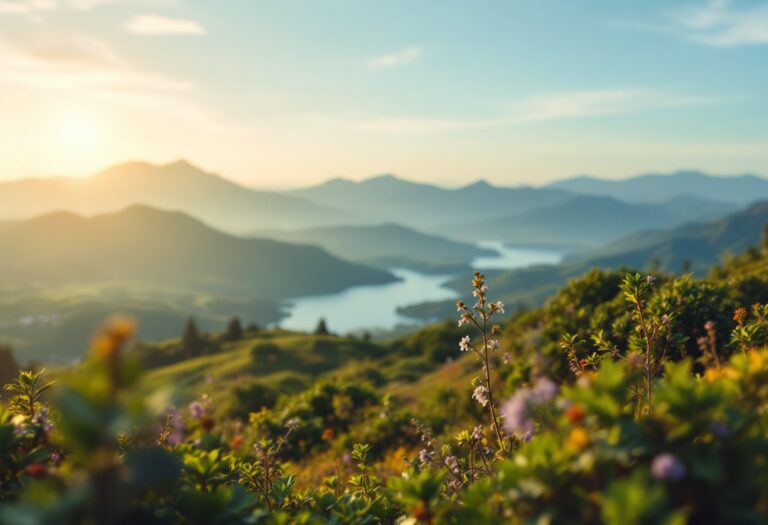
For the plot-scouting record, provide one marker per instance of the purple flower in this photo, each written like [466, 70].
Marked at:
[517, 420]
[667, 467]
[196, 409]
[544, 390]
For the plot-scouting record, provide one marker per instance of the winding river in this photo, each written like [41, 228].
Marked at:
[374, 306]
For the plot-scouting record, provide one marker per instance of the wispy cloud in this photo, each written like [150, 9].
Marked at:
[33, 7]
[539, 108]
[396, 59]
[89, 67]
[152, 24]
[720, 23]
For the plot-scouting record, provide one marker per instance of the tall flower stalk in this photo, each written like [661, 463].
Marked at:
[480, 315]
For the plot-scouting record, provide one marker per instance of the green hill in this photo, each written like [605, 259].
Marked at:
[61, 274]
[387, 245]
[145, 245]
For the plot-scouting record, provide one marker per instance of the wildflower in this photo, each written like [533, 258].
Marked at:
[327, 434]
[505, 358]
[667, 467]
[35, 470]
[709, 326]
[425, 457]
[578, 439]
[517, 420]
[544, 390]
[464, 344]
[452, 463]
[499, 306]
[739, 315]
[481, 395]
[666, 320]
[236, 442]
[482, 290]
[477, 433]
[575, 413]
[493, 344]
[460, 306]
[43, 419]
[650, 279]
[292, 424]
[113, 337]
[196, 410]
[464, 319]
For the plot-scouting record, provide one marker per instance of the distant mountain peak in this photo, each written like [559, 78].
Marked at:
[479, 184]
[383, 178]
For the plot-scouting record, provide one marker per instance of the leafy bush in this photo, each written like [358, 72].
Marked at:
[627, 399]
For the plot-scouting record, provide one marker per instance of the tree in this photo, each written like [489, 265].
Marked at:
[321, 328]
[192, 343]
[9, 368]
[234, 330]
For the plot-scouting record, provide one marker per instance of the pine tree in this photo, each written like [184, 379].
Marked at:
[192, 343]
[321, 328]
[234, 330]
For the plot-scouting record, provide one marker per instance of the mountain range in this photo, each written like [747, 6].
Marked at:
[145, 245]
[175, 186]
[691, 247]
[659, 187]
[387, 245]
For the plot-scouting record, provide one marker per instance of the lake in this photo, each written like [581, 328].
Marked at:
[374, 306]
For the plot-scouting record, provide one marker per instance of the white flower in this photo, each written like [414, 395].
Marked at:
[452, 463]
[493, 344]
[464, 344]
[499, 306]
[477, 433]
[463, 320]
[481, 395]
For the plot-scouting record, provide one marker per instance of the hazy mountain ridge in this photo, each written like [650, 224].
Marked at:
[176, 186]
[387, 198]
[698, 244]
[592, 220]
[657, 187]
[149, 245]
[386, 244]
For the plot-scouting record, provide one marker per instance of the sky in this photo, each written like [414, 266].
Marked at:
[287, 93]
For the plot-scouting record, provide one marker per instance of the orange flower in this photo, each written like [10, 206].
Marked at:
[35, 470]
[116, 332]
[236, 442]
[328, 434]
[575, 413]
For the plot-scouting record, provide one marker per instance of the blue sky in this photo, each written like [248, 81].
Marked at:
[285, 93]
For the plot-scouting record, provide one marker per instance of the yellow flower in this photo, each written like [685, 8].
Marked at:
[578, 439]
[756, 360]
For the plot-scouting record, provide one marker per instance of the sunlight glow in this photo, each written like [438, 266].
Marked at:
[79, 131]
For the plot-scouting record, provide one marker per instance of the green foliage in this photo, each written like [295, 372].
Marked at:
[626, 399]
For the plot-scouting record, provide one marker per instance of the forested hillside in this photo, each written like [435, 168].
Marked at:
[647, 388]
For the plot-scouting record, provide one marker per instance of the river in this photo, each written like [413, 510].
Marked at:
[374, 306]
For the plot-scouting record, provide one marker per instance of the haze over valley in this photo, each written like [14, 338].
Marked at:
[166, 242]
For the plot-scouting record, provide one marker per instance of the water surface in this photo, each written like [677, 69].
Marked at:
[375, 306]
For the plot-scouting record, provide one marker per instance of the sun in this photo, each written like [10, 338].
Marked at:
[79, 130]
